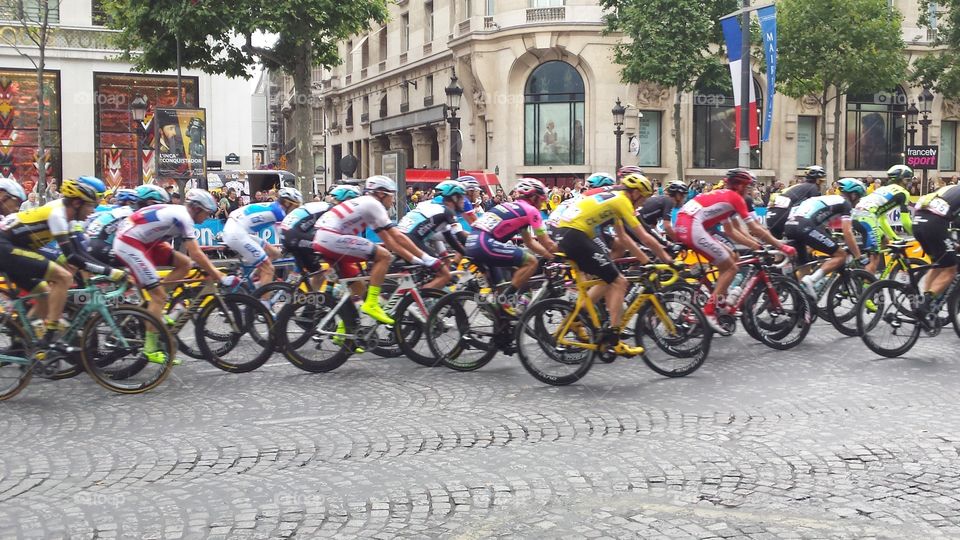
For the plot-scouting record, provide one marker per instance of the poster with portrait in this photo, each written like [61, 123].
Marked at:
[181, 139]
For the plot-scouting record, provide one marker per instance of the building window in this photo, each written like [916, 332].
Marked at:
[18, 112]
[365, 54]
[383, 44]
[806, 141]
[383, 106]
[115, 131]
[428, 11]
[948, 146]
[428, 86]
[317, 115]
[349, 121]
[466, 9]
[648, 135]
[366, 104]
[30, 10]
[348, 58]
[97, 15]
[405, 32]
[404, 94]
[875, 128]
[489, 8]
[546, 3]
[553, 116]
[715, 127]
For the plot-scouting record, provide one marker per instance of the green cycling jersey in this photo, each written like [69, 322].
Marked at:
[880, 202]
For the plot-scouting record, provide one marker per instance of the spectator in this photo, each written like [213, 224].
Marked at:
[30, 203]
[175, 197]
[487, 203]
[52, 194]
[873, 184]
[953, 180]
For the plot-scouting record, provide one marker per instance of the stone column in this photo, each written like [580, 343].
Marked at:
[396, 143]
[377, 148]
[422, 143]
[443, 142]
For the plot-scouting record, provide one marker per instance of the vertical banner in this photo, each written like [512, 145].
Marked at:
[732, 36]
[182, 143]
[768, 28]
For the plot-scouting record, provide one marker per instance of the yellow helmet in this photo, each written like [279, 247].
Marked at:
[638, 182]
[85, 188]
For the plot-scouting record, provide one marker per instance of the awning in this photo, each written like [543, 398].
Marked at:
[435, 176]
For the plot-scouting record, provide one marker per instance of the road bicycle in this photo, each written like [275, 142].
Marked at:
[837, 296]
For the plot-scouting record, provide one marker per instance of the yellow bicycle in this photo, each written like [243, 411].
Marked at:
[557, 340]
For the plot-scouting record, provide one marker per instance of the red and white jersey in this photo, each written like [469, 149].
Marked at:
[355, 215]
[157, 223]
[717, 206]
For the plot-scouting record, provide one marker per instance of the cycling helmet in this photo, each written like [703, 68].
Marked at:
[85, 188]
[638, 182]
[530, 187]
[469, 182]
[126, 196]
[449, 188]
[12, 188]
[628, 169]
[150, 193]
[203, 199]
[899, 173]
[345, 193]
[380, 183]
[814, 173]
[739, 177]
[677, 187]
[852, 185]
[290, 194]
[600, 179]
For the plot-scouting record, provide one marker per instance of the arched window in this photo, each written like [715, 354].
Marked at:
[715, 126]
[875, 127]
[553, 116]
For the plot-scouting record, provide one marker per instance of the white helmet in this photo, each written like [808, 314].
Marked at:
[203, 199]
[291, 194]
[12, 188]
[380, 183]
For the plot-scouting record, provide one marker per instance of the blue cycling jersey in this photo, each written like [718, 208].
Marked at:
[258, 216]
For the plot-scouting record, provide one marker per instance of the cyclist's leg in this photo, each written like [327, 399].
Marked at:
[932, 233]
[693, 234]
[868, 227]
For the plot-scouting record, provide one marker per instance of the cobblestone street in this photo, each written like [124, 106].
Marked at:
[826, 440]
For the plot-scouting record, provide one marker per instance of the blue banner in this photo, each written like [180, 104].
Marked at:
[209, 231]
[768, 28]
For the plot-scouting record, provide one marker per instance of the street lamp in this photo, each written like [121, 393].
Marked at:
[926, 106]
[138, 109]
[618, 113]
[454, 93]
[912, 113]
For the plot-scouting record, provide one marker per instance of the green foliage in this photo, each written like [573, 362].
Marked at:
[940, 70]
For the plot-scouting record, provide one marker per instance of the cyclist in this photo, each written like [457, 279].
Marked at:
[23, 233]
[102, 226]
[337, 240]
[659, 208]
[471, 203]
[141, 244]
[297, 230]
[597, 183]
[808, 222]
[707, 210]
[870, 214]
[11, 196]
[429, 224]
[628, 169]
[936, 213]
[489, 243]
[241, 232]
[780, 205]
[578, 227]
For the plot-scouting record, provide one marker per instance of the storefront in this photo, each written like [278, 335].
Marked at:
[19, 130]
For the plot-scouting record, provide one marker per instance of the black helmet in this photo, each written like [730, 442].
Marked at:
[814, 173]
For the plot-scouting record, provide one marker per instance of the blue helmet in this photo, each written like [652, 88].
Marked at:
[124, 196]
[152, 194]
[600, 179]
[449, 188]
[852, 185]
[345, 193]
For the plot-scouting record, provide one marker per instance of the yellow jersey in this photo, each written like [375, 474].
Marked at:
[596, 210]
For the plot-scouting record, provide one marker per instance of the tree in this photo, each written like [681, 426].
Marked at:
[217, 37]
[34, 21]
[671, 43]
[829, 48]
[940, 69]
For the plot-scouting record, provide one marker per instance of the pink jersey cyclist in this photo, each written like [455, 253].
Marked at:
[487, 242]
[337, 233]
[704, 212]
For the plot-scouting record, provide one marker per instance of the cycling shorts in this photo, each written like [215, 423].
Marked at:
[691, 233]
[25, 268]
[344, 252]
[815, 238]
[869, 228]
[103, 252]
[299, 244]
[588, 254]
[932, 232]
[483, 248]
[248, 246]
[143, 260]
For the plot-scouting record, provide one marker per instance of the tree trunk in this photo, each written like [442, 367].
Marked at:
[823, 127]
[302, 114]
[677, 135]
[836, 137]
[41, 132]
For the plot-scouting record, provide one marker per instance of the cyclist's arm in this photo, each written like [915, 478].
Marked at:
[453, 241]
[761, 232]
[640, 233]
[535, 246]
[906, 219]
[192, 248]
[735, 234]
[887, 229]
[399, 243]
[71, 246]
[846, 225]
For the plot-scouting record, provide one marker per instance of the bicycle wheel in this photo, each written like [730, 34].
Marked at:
[537, 342]
[113, 350]
[305, 343]
[276, 295]
[886, 319]
[411, 324]
[898, 274]
[247, 326]
[953, 309]
[14, 377]
[842, 298]
[71, 365]
[186, 337]
[679, 352]
[781, 313]
[461, 331]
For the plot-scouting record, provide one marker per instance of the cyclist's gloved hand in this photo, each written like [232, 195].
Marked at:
[675, 249]
[788, 250]
[230, 281]
[863, 260]
[117, 274]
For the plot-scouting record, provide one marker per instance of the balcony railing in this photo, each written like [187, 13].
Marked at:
[404, 107]
[464, 27]
[428, 101]
[427, 49]
[382, 66]
[347, 80]
[546, 14]
[488, 23]
[403, 58]
[363, 73]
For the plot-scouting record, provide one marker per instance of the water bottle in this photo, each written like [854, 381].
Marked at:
[338, 290]
[737, 280]
[733, 294]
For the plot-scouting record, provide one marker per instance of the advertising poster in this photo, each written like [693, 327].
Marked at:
[181, 140]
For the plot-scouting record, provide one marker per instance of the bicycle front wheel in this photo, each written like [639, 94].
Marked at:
[410, 330]
[114, 350]
[14, 376]
[462, 331]
[309, 343]
[886, 318]
[538, 342]
[244, 330]
[782, 314]
[680, 334]
[842, 298]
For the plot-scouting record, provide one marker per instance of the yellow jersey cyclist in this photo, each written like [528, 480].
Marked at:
[23, 233]
[870, 214]
[936, 213]
[577, 229]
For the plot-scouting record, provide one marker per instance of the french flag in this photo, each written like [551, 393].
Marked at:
[731, 34]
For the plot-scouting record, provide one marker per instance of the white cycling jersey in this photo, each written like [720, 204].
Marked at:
[157, 223]
[355, 215]
[254, 218]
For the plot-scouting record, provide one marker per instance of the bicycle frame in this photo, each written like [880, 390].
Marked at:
[405, 285]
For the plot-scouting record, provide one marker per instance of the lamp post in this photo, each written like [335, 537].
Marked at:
[454, 92]
[138, 109]
[912, 114]
[618, 113]
[926, 106]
